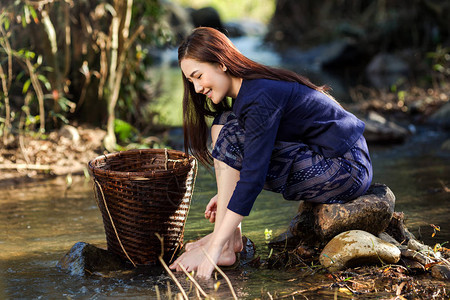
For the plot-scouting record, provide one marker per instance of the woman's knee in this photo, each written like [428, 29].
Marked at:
[215, 130]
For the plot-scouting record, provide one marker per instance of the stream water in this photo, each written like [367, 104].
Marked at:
[41, 221]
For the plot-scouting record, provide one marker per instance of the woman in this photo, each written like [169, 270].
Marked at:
[279, 132]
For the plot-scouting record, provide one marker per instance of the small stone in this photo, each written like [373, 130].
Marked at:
[418, 246]
[355, 248]
[70, 133]
[441, 272]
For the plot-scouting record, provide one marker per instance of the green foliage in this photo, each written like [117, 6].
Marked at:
[440, 62]
[58, 63]
[125, 131]
[236, 9]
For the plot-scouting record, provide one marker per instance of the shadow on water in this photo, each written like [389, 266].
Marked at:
[40, 222]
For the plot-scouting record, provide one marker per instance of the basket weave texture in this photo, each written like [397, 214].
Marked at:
[140, 193]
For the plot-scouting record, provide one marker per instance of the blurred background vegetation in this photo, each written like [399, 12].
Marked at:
[88, 62]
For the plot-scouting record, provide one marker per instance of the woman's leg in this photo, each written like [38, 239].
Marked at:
[226, 178]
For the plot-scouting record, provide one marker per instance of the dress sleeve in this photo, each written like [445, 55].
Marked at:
[260, 121]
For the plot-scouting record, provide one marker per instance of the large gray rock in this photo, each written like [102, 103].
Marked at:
[86, 259]
[380, 130]
[355, 248]
[371, 212]
[386, 69]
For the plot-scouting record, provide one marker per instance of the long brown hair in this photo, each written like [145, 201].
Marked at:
[209, 45]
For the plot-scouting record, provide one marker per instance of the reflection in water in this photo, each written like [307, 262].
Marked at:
[40, 222]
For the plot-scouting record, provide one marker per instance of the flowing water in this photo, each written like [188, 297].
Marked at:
[41, 221]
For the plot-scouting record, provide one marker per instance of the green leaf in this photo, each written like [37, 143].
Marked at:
[66, 104]
[33, 12]
[6, 23]
[45, 81]
[59, 116]
[26, 86]
[439, 68]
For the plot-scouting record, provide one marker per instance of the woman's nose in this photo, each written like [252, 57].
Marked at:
[198, 88]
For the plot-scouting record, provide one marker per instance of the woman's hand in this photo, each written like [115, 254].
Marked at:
[211, 209]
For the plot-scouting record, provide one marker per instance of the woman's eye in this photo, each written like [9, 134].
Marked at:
[199, 76]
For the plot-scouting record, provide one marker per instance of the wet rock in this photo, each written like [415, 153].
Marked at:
[416, 256]
[85, 259]
[70, 132]
[412, 265]
[208, 17]
[398, 230]
[339, 53]
[387, 238]
[386, 69]
[305, 251]
[446, 146]
[248, 249]
[285, 241]
[371, 212]
[441, 117]
[413, 244]
[245, 27]
[178, 18]
[441, 272]
[380, 130]
[355, 248]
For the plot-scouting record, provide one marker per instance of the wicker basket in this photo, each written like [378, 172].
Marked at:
[141, 193]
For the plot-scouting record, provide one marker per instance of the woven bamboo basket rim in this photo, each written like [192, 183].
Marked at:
[140, 175]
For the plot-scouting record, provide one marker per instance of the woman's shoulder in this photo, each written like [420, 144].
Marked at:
[271, 87]
[265, 83]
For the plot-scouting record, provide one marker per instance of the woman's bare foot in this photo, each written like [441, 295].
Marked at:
[191, 260]
[227, 258]
[238, 245]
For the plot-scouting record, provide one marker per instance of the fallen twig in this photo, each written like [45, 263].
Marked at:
[222, 273]
[199, 288]
[160, 257]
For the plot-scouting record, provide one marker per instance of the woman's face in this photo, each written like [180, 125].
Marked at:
[208, 79]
